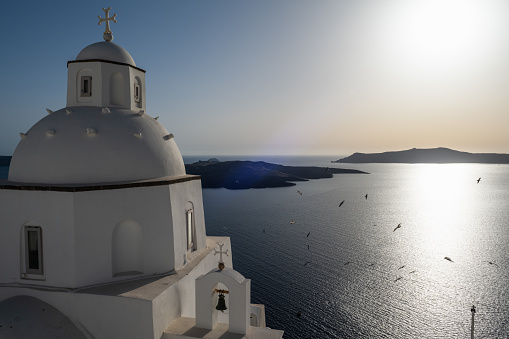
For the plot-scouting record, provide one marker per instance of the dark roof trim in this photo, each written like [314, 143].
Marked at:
[108, 61]
[7, 185]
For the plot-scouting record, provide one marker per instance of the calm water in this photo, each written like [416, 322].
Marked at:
[364, 279]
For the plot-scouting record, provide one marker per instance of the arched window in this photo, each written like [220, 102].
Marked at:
[127, 249]
[84, 85]
[137, 91]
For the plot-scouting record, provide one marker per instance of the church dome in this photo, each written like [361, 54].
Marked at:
[106, 50]
[88, 145]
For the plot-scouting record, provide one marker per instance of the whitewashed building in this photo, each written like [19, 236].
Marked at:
[102, 232]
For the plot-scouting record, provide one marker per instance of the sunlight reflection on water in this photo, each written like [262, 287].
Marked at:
[365, 279]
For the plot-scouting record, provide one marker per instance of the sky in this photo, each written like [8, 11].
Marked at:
[280, 77]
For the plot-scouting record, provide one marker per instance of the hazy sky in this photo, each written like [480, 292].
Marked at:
[239, 77]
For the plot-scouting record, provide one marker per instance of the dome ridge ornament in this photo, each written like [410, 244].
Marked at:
[108, 35]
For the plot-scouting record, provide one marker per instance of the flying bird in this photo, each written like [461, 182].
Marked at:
[292, 222]
[399, 225]
[447, 258]
[491, 263]
[401, 267]
[398, 278]
[347, 263]
[308, 234]
[307, 262]
[478, 180]
[411, 272]
[299, 192]
[366, 196]
[341, 203]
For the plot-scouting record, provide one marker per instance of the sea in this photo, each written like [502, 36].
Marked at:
[328, 271]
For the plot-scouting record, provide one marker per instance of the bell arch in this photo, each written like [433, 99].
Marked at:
[127, 249]
[239, 296]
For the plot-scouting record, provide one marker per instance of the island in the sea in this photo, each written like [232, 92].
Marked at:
[439, 155]
[248, 174]
[257, 174]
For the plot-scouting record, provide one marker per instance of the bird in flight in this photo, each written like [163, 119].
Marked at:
[399, 225]
[347, 263]
[398, 278]
[341, 203]
[299, 192]
[307, 262]
[491, 263]
[401, 267]
[292, 222]
[366, 196]
[447, 258]
[308, 234]
[478, 180]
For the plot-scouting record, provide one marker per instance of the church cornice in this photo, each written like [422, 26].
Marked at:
[107, 61]
[7, 185]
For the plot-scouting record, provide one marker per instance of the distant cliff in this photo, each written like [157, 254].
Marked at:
[431, 155]
[259, 174]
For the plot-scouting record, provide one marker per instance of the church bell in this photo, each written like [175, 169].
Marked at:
[221, 304]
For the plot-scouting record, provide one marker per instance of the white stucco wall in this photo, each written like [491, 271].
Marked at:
[97, 316]
[78, 227]
[104, 313]
[101, 73]
[98, 212]
[180, 301]
[53, 211]
[181, 194]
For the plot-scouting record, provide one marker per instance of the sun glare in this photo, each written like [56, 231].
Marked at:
[438, 34]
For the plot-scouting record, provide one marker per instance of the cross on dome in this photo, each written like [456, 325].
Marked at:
[108, 36]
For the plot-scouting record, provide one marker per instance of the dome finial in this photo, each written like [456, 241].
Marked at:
[108, 36]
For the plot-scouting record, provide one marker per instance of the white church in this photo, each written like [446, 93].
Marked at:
[102, 232]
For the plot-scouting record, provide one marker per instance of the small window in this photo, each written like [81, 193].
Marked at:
[190, 229]
[86, 86]
[33, 250]
[137, 92]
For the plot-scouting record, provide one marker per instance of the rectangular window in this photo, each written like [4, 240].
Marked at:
[137, 93]
[190, 229]
[33, 250]
[86, 86]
